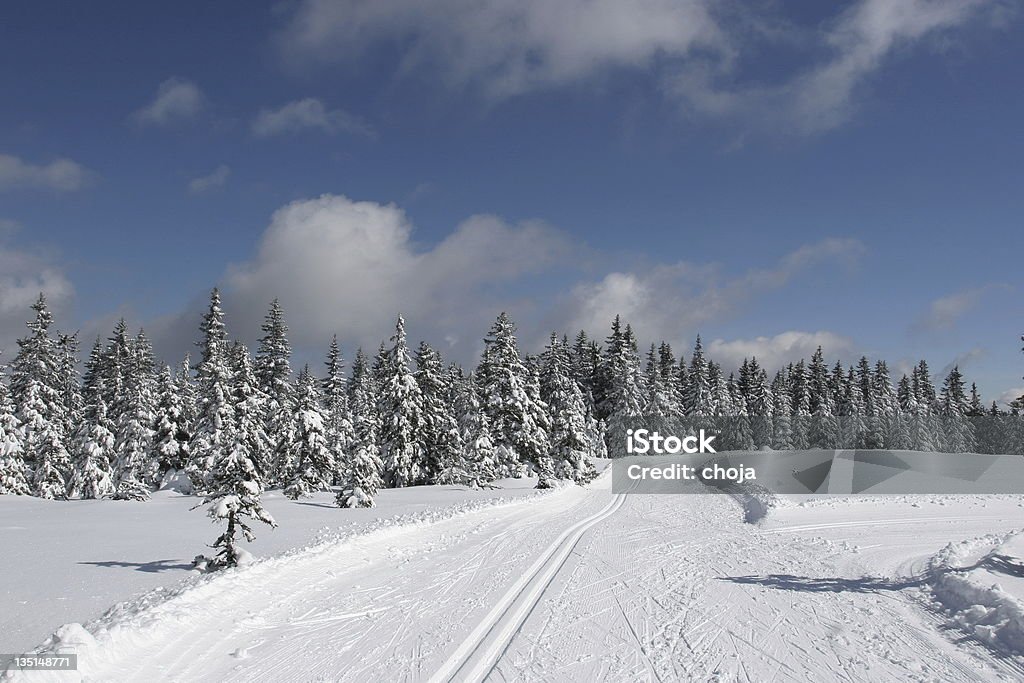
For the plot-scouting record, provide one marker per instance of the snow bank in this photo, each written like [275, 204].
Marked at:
[988, 612]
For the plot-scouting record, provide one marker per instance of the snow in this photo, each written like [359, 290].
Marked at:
[575, 583]
[86, 555]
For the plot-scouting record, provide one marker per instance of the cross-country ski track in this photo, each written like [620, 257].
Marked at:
[577, 584]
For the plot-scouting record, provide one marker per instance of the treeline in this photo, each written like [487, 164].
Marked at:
[237, 422]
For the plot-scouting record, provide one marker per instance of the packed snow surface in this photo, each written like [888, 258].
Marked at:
[573, 584]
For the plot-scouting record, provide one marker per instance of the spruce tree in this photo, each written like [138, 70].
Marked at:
[249, 410]
[36, 389]
[12, 454]
[360, 472]
[233, 487]
[274, 379]
[212, 437]
[93, 445]
[569, 433]
[314, 463]
[400, 406]
[136, 410]
[439, 429]
[782, 432]
[516, 418]
[334, 389]
[171, 434]
[953, 406]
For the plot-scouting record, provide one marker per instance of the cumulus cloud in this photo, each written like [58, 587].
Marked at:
[307, 114]
[696, 49]
[212, 181]
[349, 267]
[673, 301]
[776, 352]
[176, 100]
[62, 175]
[24, 273]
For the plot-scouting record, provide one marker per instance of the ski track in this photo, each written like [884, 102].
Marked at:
[580, 584]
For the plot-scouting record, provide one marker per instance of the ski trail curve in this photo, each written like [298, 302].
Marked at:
[474, 659]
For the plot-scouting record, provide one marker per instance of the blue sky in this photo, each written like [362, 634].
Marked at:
[772, 175]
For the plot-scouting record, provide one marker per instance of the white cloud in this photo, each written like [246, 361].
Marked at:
[505, 47]
[176, 100]
[305, 114]
[63, 175]
[349, 267]
[775, 352]
[673, 301]
[212, 181]
[23, 275]
[1009, 396]
[696, 48]
[944, 312]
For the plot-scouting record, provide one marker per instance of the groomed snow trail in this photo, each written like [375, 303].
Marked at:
[579, 584]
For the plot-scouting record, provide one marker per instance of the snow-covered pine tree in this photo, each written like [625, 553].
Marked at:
[874, 434]
[93, 445]
[249, 404]
[855, 435]
[361, 472]
[274, 379]
[314, 462]
[697, 395]
[760, 404]
[212, 438]
[953, 407]
[12, 456]
[569, 433]
[171, 433]
[782, 414]
[586, 368]
[800, 396]
[658, 402]
[69, 385]
[136, 466]
[233, 487]
[906, 406]
[439, 429]
[886, 405]
[516, 419]
[400, 406]
[817, 381]
[624, 390]
[334, 389]
[36, 390]
[825, 432]
[478, 446]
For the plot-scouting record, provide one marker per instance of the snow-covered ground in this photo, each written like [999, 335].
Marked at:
[574, 584]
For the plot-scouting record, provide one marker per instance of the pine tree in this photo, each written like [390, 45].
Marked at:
[171, 434]
[569, 433]
[697, 400]
[782, 432]
[360, 472]
[93, 445]
[886, 404]
[136, 410]
[249, 409]
[800, 396]
[478, 446]
[36, 389]
[233, 487]
[401, 411]
[516, 418]
[334, 388]
[624, 390]
[12, 461]
[274, 377]
[953, 406]
[212, 437]
[314, 465]
[439, 429]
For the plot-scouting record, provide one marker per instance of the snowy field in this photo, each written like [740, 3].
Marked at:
[512, 584]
